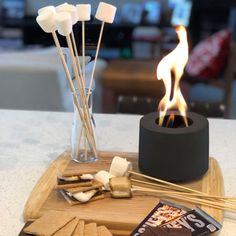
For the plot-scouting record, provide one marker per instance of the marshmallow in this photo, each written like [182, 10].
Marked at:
[84, 12]
[48, 8]
[84, 196]
[106, 12]
[61, 5]
[46, 20]
[71, 9]
[87, 176]
[63, 23]
[103, 177]
[120, 166]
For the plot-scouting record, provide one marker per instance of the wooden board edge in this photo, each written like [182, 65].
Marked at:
[214, 175]
[44, 186]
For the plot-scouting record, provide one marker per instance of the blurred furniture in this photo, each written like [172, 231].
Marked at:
[129, 78]
[33, 80]
[219, 107]
[208, 17]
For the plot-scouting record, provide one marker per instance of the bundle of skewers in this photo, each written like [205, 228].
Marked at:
[61, 19]
[168, 190]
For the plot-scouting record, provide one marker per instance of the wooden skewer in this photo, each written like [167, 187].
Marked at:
[183, 194]
[77, 75]
[187, 198]
[167, 183]
[82, 80]
[69, 79]
[68, 76]
[96, 56]
[78, 78]
[233, 199]
[78, 61]
[81, 93]
[84, 107]
[152, 184]
[83, 48]
[181, 188]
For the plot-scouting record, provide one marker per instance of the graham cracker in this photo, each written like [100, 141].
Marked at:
[68, 173]
[79, 230]
[90, 229]
[68, 229]
[74, 185]
[95, 185]
[103, 231]
[49, 223]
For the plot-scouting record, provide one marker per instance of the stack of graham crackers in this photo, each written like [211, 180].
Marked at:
[58, 223]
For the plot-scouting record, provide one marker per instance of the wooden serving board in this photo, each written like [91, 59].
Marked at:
[121, 216]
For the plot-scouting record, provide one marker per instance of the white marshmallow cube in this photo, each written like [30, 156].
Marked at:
[46, 20]
[48, 8]
[84, 12]
[106, 12]
[103, 177]
[84, 196]
[71, 9]
[63, 23]
[120, 167]
[61, 5]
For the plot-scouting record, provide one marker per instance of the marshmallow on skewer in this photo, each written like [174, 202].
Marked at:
[63, 23]
[103, 177]
[106, 12]
[46, 20]
[61, 5]
[120, 167]
[48, 8]
[84, 12]
[71, 9]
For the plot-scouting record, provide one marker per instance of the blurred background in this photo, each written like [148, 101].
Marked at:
[32, 78]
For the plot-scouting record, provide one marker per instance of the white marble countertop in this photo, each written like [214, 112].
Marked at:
[30, 141]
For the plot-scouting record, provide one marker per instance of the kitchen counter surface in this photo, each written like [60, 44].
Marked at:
[30, 141]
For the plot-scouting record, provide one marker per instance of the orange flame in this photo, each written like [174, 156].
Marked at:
[170, 121]
[174, 62]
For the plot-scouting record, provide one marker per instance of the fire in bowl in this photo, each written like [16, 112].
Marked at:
[174, 144]
[172, 151]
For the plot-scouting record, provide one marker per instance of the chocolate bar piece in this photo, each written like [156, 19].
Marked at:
[198, 221]
[158, 231]
[161, 214]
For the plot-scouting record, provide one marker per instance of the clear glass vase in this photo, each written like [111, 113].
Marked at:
[83, 136]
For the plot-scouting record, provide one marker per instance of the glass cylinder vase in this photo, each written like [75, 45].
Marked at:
[83, 137]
